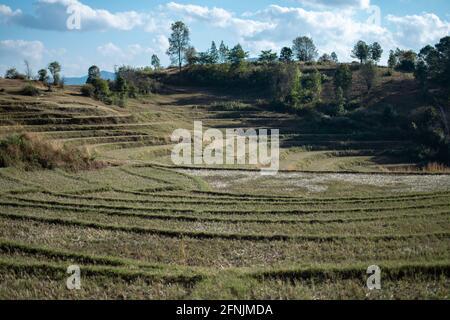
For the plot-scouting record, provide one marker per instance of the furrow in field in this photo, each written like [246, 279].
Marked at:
[211, 235]
[438, 205]
[229, 219]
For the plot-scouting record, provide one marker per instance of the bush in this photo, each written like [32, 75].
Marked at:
[135, 81]
[31, 152]
[231, 106]
[101, 88]
[29, 90]
[432, 140]
[12, 73]
[88, 90]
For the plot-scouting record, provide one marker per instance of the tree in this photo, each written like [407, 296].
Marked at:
[392, 61]
[325, 58]
[406, 60]
[237, 55]
[375, 52]
[304, 49]
[433, 65]
[11, 73]
[361, 51]
[223, 53]
[213, 53]
[93, 73]
[340, 101]
[121, 87]
[267, 56]
[101, 88]
[315, 85]
[369, 74]
[421, 74]
[334, 57]
[286, 84]
[156, 64]
[204, 58]
[286, 54]
[178, 42]
[42, 75]
[28, 71]
[191, 56]
[55, 68]
[430, 132]
[343, 79]
[441, 66]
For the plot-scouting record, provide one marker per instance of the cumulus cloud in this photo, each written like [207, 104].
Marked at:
[53, 15]
[8, 12]
[331, 30]
[21, 49]
[217, 17]
[14, 52]
[414, 31]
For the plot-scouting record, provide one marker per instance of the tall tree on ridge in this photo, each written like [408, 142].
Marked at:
[178, 43]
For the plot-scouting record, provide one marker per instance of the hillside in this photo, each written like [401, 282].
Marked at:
[141, 131]
[143, 228]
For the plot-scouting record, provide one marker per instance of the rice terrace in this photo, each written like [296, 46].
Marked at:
[88, 178]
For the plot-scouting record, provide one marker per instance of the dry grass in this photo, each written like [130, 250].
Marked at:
[30, 151]
[431, 167]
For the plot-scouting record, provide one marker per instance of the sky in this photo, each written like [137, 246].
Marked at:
[114, 33]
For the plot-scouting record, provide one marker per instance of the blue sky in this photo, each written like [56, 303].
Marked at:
[129, 32]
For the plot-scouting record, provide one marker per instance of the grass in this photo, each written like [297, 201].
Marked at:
[32, 152]
[144, 229]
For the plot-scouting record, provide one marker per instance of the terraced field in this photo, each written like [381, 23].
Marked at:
[144, 229]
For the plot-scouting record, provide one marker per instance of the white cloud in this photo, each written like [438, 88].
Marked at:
[14, 52]
[7, 11]
[52, 15]
[161, 44]
[218, 17]
[416, 31]
[334, 25]
[134, 54]
[21, 49]
[109, 50]
[330, 30]
[359, 4]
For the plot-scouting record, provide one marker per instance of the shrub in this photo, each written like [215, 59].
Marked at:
[101, 88]
[231, 106]
[429, 130]
[31, 152]
[137, 80]
[12, 73]
[88, 90]
[369, 73]
[343, 79]
[29, 90]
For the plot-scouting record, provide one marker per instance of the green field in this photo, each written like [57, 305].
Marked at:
[142, 228]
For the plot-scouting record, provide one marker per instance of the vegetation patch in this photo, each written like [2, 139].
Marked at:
[30, 151]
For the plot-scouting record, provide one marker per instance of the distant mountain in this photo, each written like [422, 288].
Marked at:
[74, 81]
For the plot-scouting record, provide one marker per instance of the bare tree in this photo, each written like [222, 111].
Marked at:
[28, 71]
